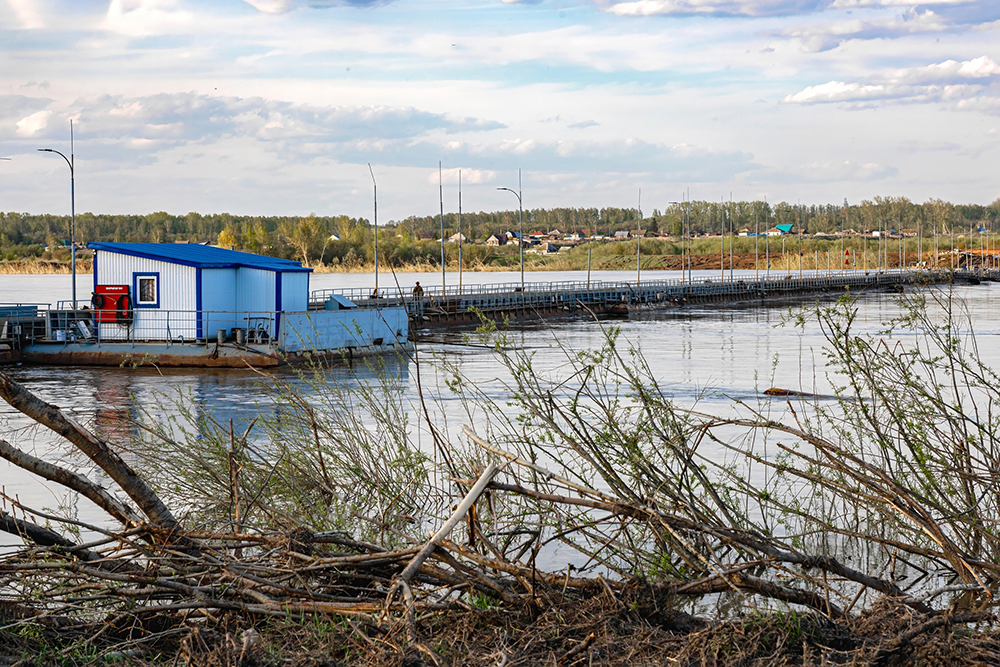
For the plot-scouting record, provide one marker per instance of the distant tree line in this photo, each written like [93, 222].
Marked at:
[345, 240]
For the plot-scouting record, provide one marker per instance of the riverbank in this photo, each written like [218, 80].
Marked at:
[564, 262]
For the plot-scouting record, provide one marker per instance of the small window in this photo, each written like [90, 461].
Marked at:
[147, 291]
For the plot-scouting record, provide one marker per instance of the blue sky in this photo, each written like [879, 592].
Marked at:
[277, 106]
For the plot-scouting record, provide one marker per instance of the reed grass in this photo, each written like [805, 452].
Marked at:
[37, 267]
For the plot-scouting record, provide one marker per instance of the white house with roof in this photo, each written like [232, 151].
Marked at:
[187, 293]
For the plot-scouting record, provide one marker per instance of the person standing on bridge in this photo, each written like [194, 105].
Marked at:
[418, 291]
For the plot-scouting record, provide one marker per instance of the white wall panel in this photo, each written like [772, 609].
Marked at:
[178, 294]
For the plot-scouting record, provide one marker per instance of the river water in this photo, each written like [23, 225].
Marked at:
[707, 354]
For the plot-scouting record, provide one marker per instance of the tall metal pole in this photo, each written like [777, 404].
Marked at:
[638, 245]
[799, 207]
[520, 222]
[441, 198]
[722, 239]
[732, 221]
[589, 252]
[459, 231]
[756, 241]
[767, 242]
[683, 236]
[375, 197]
[520, 219]
[843, 233]
[72, 199]
[920, 245]
[687, 214]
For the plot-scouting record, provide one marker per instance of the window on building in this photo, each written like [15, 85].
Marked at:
[147, 290]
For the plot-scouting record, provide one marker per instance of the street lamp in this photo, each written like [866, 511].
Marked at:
[638, 246]
[72, 200]
[520, 220]
[375, 196]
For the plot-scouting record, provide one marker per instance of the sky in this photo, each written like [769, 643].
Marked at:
[277, 107]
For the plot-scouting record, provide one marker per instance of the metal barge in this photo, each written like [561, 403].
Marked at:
[197, 306]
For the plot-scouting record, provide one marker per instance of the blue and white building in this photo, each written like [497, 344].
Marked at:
[189, 293]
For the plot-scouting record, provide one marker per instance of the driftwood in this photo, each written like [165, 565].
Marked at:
[94, 448]
[71, 480]
[148, 570]
[463, 508]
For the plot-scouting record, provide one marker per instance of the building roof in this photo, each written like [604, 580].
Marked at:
[201, 256]
[785, 228]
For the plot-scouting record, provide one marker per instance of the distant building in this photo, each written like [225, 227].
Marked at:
[497, 240]
[545, 249]
[621, 236]
[458, 238]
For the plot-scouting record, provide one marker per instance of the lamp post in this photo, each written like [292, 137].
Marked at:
[441, 200]
[638, 246]
[72, 204]
[375, 196]
[520, 221]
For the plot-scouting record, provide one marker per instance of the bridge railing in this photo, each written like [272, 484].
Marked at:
[498, 296]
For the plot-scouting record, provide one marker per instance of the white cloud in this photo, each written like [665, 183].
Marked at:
[469, 176]
[27, 13]
[270, 6]
[826, 36]
[725, 7]
[950, 81]
[31, 125]
[861, 4]
[146, 17]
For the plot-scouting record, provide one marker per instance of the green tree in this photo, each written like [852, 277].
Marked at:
[307, 237]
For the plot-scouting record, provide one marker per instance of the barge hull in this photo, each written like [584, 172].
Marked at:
[167, 356]
[188, 356]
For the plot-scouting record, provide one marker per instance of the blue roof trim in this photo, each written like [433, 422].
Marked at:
[201, 256]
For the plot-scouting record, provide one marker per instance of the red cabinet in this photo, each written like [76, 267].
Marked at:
[113, 303]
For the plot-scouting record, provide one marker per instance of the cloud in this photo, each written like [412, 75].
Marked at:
[717, 7]
[31, 125]
[15, 106]
[584, 124]
[823, 37]
[136, 129]
[270, 6]
[830, 171]
[146, 17]
[863, 4]
[764, 8]
[631, 156]
[970, 84]
[27, 13]
[469, 176]
[283, 6]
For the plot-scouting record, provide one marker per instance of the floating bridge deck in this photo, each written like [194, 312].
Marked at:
[451, 306]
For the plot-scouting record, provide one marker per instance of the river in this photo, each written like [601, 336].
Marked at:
[707, 354]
